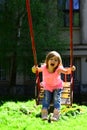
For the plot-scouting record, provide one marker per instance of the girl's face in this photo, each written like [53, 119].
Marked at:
[53, 62]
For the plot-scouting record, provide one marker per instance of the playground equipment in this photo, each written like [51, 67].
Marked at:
[67, 93]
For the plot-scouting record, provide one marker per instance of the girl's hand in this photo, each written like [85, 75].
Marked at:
[73, 68]
[34, 69]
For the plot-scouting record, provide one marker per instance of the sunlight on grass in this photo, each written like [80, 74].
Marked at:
[26, 115]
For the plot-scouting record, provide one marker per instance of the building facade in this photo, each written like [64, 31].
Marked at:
[79, 48]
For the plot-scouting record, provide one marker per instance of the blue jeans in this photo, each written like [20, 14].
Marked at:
[49, 96]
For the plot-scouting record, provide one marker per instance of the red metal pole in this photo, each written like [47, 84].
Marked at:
[31, 31]
[71, 32]
[71, 44]
[33, 47]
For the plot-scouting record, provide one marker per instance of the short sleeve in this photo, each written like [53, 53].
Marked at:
[60, 67]
[43, 66]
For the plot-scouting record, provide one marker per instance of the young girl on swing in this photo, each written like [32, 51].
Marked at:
[52, 83]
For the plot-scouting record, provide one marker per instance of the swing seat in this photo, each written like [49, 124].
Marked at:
[66, 95]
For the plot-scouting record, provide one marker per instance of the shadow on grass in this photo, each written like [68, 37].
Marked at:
[14, 99]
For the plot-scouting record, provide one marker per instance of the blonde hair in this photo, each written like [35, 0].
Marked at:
[52, 54]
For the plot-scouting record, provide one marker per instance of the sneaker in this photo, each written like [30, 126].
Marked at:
[44, 114]
[56, 115]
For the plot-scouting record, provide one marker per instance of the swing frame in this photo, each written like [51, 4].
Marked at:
[67, 93]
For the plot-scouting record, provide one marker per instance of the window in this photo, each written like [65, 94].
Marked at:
[1, 6]
[2, 74]
[2, 1]
[76, 12]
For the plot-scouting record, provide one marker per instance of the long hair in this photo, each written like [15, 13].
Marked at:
[52, 54]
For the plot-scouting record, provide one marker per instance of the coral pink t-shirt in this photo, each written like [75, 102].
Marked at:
[51, 81]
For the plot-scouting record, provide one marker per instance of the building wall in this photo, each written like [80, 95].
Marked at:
[79, 50]
[84, 70]
[83, 33]
[83, 19]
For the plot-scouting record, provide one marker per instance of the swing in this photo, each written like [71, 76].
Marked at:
[67, 93]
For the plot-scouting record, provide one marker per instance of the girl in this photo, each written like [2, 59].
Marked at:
[52, 82]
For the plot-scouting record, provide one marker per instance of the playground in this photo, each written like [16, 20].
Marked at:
[26, 114]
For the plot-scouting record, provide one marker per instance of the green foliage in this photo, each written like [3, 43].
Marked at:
[46, 26]
[14, 33]
[22, 116]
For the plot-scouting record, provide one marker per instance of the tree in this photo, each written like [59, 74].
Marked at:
[15, 43]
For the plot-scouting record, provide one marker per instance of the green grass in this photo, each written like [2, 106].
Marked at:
[26, 116]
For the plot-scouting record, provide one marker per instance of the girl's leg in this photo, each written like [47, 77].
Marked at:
[46, 99]
[45, 104]
[57, 98]
[57, 104]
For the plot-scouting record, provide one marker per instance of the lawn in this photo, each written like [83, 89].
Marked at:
[22, 115]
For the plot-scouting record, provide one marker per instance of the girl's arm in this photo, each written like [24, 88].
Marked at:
[36, 68]
[66, 70]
